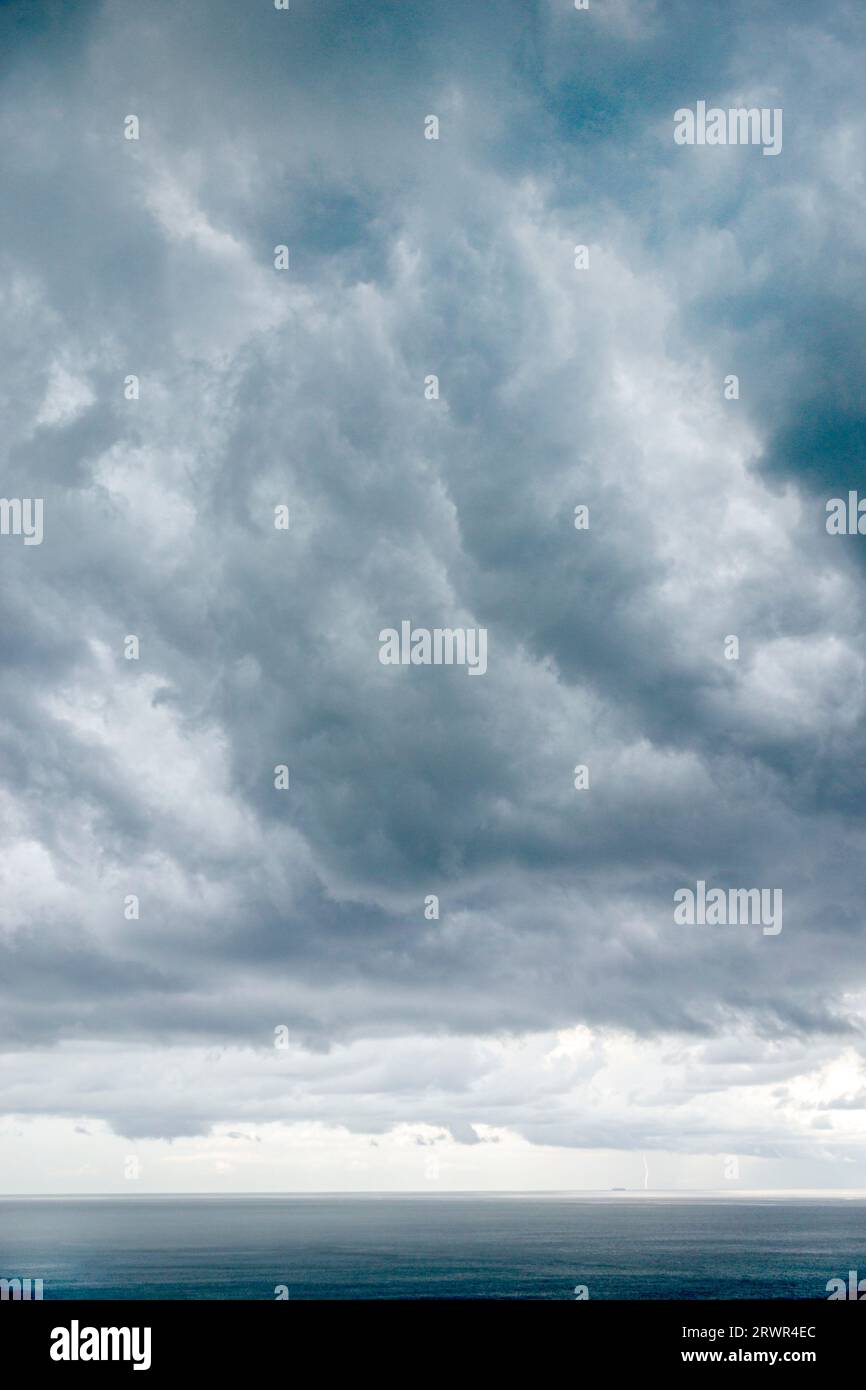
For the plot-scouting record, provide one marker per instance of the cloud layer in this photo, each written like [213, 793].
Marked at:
[409, 257]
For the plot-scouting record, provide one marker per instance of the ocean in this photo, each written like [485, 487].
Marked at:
[502, 1246]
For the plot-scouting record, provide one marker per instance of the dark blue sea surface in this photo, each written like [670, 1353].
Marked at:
[441, 1247]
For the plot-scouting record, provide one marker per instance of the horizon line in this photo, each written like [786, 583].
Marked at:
[841, 1193]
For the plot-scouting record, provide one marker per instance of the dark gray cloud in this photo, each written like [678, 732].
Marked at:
[259, 647]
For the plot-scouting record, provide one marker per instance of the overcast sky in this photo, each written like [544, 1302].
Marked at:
[553, 1028]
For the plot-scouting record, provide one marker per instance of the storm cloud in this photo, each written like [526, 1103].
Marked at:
[558, 387]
